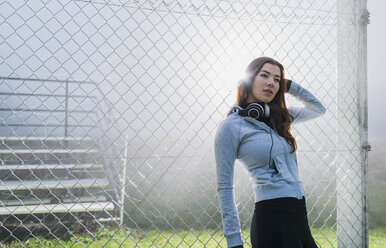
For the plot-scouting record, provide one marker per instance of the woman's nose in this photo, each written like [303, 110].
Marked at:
[270, 81]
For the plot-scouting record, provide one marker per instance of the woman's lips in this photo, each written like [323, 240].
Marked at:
[267, 91]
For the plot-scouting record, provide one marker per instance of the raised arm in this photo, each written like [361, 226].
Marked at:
[312, 106]
[225, 148]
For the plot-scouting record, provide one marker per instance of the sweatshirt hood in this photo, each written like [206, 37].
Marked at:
[230, 111]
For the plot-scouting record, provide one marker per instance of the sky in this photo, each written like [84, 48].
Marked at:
[376, 69]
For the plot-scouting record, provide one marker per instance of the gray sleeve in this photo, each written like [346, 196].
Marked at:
[312, 106]
[225, 147]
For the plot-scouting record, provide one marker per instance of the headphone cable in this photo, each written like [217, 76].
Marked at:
[270, 151]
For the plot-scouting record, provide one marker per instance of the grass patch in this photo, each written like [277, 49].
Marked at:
[127, 237]
[377, 238]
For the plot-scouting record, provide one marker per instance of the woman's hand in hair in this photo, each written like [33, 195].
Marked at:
[287, 84]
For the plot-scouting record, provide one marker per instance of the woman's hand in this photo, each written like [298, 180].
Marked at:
[287, 84]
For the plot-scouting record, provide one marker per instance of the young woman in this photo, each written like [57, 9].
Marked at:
[256, 131]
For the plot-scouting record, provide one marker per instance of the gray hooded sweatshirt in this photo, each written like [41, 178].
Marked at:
[249, 141]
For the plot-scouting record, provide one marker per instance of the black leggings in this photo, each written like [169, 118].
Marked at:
[281, 229]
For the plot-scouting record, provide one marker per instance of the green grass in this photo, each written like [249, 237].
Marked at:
[182, 238]
[377, 238]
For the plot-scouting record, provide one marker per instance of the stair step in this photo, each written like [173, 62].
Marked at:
[53, 184]
[30, 201]
[99, 198]
[35, 151]
[57, 208]
[35, 201]
[116, 219]
[49, 166]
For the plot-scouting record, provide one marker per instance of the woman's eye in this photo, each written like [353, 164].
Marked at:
[277, 80]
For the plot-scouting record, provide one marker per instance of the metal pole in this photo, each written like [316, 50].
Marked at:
[66, 114]
[363, 118]
[123, 183]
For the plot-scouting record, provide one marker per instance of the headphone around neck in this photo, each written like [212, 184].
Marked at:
[256, 110]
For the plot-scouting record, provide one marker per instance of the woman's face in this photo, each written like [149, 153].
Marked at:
[266, 84]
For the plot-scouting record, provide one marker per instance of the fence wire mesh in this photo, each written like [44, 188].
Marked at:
[109, 110]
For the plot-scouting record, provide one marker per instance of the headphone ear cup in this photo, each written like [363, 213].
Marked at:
[267, 111]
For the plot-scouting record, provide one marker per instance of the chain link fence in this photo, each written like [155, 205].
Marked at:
[109, 109]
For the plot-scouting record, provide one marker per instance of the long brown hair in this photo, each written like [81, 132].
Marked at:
[281, 118]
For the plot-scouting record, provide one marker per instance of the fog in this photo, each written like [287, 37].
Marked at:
[376, 70]
[377, 117]
[171, 124]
